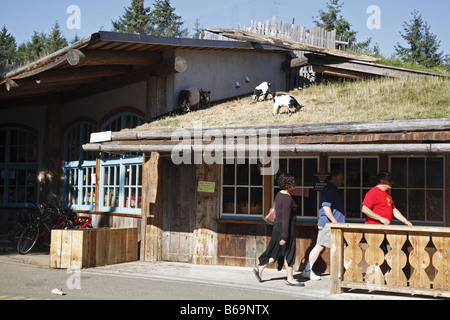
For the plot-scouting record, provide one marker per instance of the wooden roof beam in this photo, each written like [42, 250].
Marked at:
[98, 58]
[287, 44]
[80, 74]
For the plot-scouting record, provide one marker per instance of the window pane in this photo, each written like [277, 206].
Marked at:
[416, 204]
[242, 174]
[242, 199]
[400, 200]
[256, 196]
[228, 174]
[282, 169]
[255, 175]
[353, 173]
[337, 164]
[353, 208]
[435, 173]
[228, 200]
[435, 205]
[416, 173]
[309, 203]
[399, 172]
[310, 171]
[295, 169]
[370, 169]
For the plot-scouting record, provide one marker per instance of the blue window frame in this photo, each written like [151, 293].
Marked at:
[121, 175]
[79, 168]
[18, 153]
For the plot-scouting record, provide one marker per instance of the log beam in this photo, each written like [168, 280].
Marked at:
[97, 58]
[295, 63]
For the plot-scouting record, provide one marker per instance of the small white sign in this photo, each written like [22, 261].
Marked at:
[100, 136]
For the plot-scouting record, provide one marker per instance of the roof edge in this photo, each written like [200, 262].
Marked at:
[47, 59]
[385, 126]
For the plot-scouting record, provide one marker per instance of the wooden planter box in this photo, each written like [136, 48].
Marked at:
[93, 247]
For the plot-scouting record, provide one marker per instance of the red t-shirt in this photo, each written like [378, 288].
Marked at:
[380, 202]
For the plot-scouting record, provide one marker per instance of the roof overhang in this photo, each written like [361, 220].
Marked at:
[103, 61]
[427, 136]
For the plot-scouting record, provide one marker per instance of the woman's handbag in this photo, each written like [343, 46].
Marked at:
[270, 217]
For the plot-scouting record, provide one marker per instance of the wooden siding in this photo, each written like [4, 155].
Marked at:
[240, 244]
[178, 209]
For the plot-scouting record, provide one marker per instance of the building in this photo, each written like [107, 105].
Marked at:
[201, 203]
[108, 81]
[198, 209]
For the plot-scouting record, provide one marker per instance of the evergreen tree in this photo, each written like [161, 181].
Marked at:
[330, 20]
[33, 49]
[166, 22]
[136, 19]
[422, 46]
[55, 40]
[7, 46]
[199, 32]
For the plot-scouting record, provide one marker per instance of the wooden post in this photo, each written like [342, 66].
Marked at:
[205, 238]
[51, 176]
[152, 222]
[337, 260]
[156, 97]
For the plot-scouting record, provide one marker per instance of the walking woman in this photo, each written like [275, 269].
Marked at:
[281, 247]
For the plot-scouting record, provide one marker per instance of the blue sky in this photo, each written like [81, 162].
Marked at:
[23, 17]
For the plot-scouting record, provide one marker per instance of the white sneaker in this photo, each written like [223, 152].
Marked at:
[309, 274]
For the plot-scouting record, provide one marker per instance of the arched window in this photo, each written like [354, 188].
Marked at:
[79, 167]
[18, 154]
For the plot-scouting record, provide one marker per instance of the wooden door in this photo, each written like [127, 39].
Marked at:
[178, 212]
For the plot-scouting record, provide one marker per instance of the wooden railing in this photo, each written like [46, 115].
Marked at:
[414, 260]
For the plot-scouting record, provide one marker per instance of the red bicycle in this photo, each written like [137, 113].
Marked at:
[45, 218]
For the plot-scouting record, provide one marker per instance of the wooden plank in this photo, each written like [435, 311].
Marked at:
[382, 228]
[66, 249]
[441, 262]
[337, 260]
[396, 259]
[76, 257]
[55, 249]
[152, 222]
[407, 290]
[363, 68]
[353, 256]
[375, 258]
[285, 43]
[419, 259]
[102, 244]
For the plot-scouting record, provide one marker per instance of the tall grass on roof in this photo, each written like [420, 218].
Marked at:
[382, 99]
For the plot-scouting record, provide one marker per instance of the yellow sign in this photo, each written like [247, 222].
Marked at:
[206, 186]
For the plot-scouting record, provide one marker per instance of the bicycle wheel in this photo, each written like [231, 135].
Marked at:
[27, 239]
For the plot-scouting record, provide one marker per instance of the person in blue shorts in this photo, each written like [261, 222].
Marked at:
[331, 211]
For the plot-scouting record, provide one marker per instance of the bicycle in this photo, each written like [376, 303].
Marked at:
[45, 219]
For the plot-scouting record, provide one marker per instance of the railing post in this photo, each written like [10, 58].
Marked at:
[337, 259]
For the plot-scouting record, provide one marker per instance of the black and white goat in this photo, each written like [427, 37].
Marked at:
[285, 100]
[261, 92]
[193, 99]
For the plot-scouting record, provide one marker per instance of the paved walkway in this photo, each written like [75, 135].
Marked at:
[237, 277]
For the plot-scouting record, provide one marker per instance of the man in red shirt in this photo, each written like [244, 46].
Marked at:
[378, 205]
